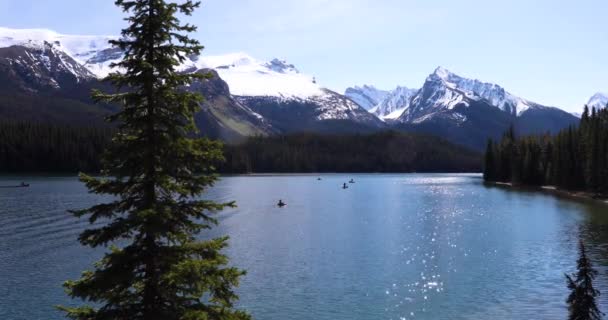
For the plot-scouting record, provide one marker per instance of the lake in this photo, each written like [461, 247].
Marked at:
[403, 246]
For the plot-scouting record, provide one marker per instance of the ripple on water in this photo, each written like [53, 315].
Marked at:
[418, 246]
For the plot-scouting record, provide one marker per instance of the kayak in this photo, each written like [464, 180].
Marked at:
[19, 186]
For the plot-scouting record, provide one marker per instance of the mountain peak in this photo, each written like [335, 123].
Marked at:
[444, 86]
[599, 95]
[442, 72]
[598, 100]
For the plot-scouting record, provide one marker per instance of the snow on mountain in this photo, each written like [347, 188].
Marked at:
[393, 105]
[382, 103]
[598, 100]
[277, 84]
[444, 90]
[41, 66]
[366, 96]
[248, 76]
[93, 52]
[81, 48]
[494, 94]
[244, 74]
[436, 96]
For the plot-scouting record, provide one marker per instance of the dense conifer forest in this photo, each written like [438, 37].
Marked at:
[35, 147]
[574, 159]
[38, 147]
[379, 152]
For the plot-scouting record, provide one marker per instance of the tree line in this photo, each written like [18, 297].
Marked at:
[378, 152]
[574, 159]
[40, 147]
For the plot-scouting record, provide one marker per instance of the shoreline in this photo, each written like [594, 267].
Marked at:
[548, 189]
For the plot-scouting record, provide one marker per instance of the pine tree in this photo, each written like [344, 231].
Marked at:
[489, 173]
[581, 301]
[155, 172]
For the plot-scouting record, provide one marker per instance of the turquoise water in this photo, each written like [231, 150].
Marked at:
[441, 246]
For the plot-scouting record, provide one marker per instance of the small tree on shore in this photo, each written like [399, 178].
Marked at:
[581, 301]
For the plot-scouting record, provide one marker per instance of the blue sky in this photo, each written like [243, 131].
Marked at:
[550, 51]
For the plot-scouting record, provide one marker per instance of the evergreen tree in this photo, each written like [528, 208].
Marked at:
[155, 172]
[581, 301]
[576, 158]
[488, 168]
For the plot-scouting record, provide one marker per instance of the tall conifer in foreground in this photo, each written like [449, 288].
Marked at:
[581, 301]
[155, 172]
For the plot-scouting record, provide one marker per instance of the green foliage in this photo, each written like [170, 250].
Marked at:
[489, 173]
[581, 301]
[29, 147]
[379, 152]
[575, 159]
[155, 172]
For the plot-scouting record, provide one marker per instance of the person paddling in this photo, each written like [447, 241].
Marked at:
[281, 203]
[344, 186]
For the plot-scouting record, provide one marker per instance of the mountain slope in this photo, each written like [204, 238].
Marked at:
[366, 96]
[276, 80]
[395, 103]
[598, 100]
[41, 67]
[36, 86]
[470, 111]
[48, 76]
[224, 117]
[386, 105]
[41, 82]
[283, 95]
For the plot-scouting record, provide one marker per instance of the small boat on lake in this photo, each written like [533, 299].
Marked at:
[344, 186]
[22, 185]
[352, 181]
[281, 204]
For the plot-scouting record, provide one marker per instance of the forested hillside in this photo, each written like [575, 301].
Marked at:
[575, 159]
[379, 152]
[39, 147]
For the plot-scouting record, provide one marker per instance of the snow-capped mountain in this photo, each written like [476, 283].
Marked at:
[91, 57]
[598, 100]
[222, 116]
[382, 103]
[470, 111]
[444, 90]
[366, 96]
[393, 105]
[267, 87]
[81, 48]
[248, 76]
[42, 66]
[453, 88]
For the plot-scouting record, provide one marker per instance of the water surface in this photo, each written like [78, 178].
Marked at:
[417, 246]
